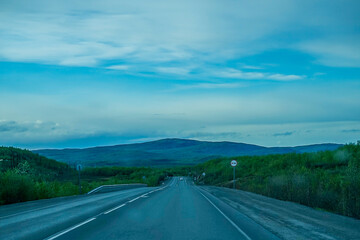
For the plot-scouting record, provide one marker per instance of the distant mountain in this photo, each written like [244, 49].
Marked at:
[168, 152]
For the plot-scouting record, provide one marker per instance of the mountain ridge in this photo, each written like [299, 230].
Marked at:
[168, 152]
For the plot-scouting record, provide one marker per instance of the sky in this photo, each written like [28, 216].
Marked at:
[77, 74]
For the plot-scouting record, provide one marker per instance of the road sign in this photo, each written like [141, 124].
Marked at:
[203, 174]
[233, 163]
[79, 167]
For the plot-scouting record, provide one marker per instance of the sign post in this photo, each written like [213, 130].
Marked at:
[79, 168]
[233, 163]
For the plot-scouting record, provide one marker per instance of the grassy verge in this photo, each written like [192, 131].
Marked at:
[328, 180]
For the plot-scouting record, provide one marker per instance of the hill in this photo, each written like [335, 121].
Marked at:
[28, 176]
[168, 152]
[28, 162]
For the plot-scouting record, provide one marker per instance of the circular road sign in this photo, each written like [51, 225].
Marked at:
[79, 167]
[233, 163]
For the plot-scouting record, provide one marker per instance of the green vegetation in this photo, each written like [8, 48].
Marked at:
[26, 176]
[95, 177]
[327, 180]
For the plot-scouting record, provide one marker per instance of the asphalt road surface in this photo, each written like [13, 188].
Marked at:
[177, 210]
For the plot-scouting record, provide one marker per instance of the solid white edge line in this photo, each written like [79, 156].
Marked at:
[70, 229]
[114, 208]
[227, 218]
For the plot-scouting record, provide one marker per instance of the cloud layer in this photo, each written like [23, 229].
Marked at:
[269, 72]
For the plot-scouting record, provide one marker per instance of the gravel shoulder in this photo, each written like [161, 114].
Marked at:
[289, 220]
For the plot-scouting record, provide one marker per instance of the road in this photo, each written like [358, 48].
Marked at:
[177, 210]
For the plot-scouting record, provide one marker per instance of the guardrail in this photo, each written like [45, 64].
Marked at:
[117, 187]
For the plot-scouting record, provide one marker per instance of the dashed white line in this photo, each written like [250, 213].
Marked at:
[114, 209]
[227, 218]
[70, 229]
[132, 200]
[91, 219]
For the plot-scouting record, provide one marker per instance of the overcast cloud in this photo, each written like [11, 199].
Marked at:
[84, 73]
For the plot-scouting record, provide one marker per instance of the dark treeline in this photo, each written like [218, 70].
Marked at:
[119, 175]
[328, 180]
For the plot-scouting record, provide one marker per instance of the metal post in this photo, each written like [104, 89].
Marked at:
[79, 182]
[234, 179]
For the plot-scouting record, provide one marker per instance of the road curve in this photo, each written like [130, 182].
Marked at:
[178, 210]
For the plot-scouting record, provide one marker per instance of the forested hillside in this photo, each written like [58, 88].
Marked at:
[328, 180]
[26, 176]
[27, 162]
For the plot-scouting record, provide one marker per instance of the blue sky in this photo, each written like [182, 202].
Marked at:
[89, 73]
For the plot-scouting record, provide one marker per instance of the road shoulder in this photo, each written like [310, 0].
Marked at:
[286, 219]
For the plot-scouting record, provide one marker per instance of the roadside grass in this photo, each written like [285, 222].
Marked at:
[328, 180]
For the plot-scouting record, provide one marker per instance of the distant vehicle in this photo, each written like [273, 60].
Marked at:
[181, 179]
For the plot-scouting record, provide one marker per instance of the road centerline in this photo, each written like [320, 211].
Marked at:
[70, 229]
[109, 211]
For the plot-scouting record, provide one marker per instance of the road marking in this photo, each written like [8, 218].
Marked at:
[114, 209]
[91, 219]
[70, 229]
[77, 202]
[134, 199]
[227, 218]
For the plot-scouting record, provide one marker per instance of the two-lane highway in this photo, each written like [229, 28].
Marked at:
[178, 210]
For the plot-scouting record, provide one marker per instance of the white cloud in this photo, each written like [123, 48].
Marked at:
[64, 32]
[251, 67]
[118, 67]
[198, 40]
[238, 74]
[207, 86]
[173, 70]
[282, 77]
[89, 33]
[339, 52]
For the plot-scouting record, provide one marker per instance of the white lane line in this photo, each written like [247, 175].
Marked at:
[145, 195]
[58, 204]
[70, 229]
[91, 219]
[227, 218]
[114, 209]
[132, 200]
